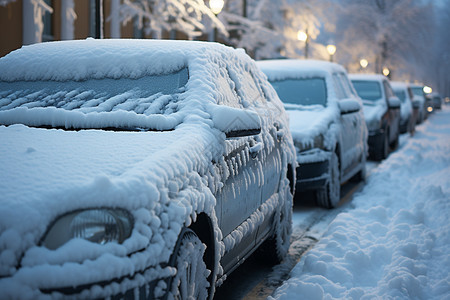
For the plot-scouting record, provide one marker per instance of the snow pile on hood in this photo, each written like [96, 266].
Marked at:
[394, 244]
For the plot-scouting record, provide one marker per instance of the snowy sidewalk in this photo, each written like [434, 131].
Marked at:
[395, 244]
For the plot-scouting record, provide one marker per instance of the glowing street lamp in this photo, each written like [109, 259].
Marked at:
[331, 50]
[216, 7]
[427, 89]
[364, 63]
[303, 37]
[386, 71]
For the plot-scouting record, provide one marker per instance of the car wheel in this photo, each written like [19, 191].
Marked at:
[393, 146]
[329, 196]
[361, 175]
[276, 247]
[191, 279]
[381, 150]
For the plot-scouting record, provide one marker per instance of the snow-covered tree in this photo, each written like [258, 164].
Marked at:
[386, 33]
[270, 27]
[154, 16]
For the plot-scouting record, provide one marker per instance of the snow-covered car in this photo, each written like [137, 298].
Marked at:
[419, 95]
[138, 169]
[409, 108]
[326, 122]
[436, 99]
[381, 112]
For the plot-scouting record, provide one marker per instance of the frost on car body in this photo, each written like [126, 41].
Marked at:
[326, 122]
[179, 135]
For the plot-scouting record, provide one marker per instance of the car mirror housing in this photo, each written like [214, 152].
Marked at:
[235, 122]
[394, 102]
[348, 106]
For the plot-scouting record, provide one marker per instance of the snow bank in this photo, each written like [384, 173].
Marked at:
[394, 243]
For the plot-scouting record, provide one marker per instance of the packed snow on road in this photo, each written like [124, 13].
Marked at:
[394, 243]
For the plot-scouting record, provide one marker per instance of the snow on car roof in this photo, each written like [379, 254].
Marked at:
[109, 58]
[285, 68]
[55, 71]
[375, 77]
[399, 85]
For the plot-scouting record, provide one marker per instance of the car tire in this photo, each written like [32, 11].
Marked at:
[394, 145]
[361, 175]
[275, 249]
[191, 279]
[330, 195]
[381, 148]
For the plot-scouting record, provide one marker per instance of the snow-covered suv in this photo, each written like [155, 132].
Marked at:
[326, 121]
[381, 111]
[137, 169]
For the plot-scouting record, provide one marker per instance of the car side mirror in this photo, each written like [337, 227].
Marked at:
[235, 122]
[394, 102]
[348, 106]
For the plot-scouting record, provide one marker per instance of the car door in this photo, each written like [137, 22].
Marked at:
[242, 174]
[358, 122]
[350, 127]
[393, 113]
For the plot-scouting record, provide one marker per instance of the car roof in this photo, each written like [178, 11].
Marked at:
[109, 58]
[278, 69]
[371, 77]
[399, 85]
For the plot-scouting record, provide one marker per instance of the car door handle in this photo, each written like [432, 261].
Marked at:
[255, 149]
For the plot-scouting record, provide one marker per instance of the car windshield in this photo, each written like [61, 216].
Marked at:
[148, 95]
[367, 90]
[417, 91]
[401, 95]
[305, 91]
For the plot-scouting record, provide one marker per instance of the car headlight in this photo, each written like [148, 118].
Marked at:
[99, 226]
[317, 143]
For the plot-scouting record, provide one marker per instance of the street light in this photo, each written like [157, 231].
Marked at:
[303, 37]
[331, 50]
[364, 63]
[386, 71]
[216, 7]
[427, 89]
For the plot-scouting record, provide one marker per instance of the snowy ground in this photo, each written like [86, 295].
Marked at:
[393, 241]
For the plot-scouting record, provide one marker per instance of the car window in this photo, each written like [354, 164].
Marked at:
[347, 85]
[418, 91]
[303, 91]
[338, 87]
[156, 94]
[368, 90]
[388, 89]
[226, 92]
[246, 88]
[401, 94]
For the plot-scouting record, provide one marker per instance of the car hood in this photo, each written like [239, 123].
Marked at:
[46, 173]
[373, 111]
[307, 124]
